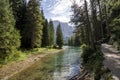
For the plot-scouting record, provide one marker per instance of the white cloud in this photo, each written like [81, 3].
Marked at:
[61, 18]
[58, 9]
[61, 11]
[62, 7]
[65, 17]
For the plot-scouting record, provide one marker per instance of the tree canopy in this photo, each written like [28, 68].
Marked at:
[9, 36]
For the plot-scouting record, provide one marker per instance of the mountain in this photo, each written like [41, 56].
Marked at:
[66, 29]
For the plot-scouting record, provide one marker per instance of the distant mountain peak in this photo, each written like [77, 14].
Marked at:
[66, 29]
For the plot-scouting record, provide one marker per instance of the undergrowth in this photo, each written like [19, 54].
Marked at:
[93, 62]
[17, 55]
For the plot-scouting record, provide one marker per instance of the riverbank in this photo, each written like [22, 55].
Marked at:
[93, 67]
[12, 68]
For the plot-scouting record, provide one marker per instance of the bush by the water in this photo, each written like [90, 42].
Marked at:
[93, 61]
[12, 56]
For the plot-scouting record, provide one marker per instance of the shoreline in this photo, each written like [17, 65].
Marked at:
[15, 67]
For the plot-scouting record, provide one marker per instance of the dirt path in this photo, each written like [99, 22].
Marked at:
[15, 67]
[112, 60]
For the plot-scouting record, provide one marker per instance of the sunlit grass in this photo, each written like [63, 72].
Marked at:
[16, 55]
[39, 50]
[41, 70]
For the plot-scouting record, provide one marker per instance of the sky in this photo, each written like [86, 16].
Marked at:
[57, 9]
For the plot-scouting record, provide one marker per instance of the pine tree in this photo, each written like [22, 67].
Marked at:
[19, 12]
[9, 36]
[77, 41]
[51, 28]
[59, 36]
[32, 34]
[46, 35]
[18, 7]
[114, 19]
[71, 41]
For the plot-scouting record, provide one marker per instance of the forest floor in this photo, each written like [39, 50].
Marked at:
[15, 67]
[112, 60]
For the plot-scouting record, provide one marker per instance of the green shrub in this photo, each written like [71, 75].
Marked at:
[12, 55]
[87, 52]
[93, 60]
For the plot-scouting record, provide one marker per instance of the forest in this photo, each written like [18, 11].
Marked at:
[97, 22]
[24, 29]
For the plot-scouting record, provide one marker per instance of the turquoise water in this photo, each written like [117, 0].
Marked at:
[61, 66]
[67, 64]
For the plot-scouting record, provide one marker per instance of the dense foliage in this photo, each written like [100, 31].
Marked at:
[93, 62]
[46, 35]
[59, 38]
[74, 40]
[23, 26]
[71, 41]
[114, 22]
[9, 36]
[51, 33]
[96, 23]
[18, 8]
[33, 29]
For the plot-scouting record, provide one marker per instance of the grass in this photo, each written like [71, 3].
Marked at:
[16, 55]
[38, 50]
[41, 70]
[44, 69]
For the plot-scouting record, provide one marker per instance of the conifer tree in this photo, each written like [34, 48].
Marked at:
[9, 36]
[32, 34]
[46, 37]
[71, 41]
[114, 20]
[59, 36]
[19, 12]
[51, 28]
[18, 7]
[77, 41]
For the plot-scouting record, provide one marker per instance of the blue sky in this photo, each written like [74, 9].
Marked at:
[57, 9]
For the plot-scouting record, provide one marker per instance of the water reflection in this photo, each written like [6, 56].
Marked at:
[61, 66]
[67, 64]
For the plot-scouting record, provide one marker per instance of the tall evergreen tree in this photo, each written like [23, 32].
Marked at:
[18, 7]
[46, 35]
[77, 40]
[59, 36]
[51, 28]
[19, 12]
[97, 25]
[114, 22]
[71, 41]
[9, 36]
[32, 34]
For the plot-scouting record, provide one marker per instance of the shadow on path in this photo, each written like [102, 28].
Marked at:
[112, 60]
